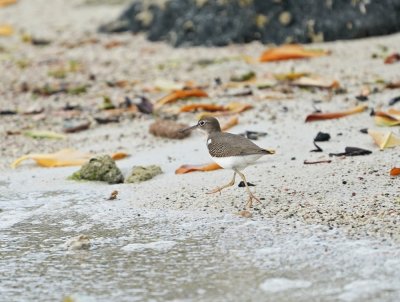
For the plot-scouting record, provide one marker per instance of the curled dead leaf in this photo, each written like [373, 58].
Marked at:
[388, 119]
[205, 107]
[62, 158]
[395, 171]
[231, 108]
[192, 168]
[384, 139]
[317, 82]
[180, 94]
[319, 116]
[289, 52]
[233, 121]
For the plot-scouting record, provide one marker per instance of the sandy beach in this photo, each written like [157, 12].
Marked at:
[312, 216]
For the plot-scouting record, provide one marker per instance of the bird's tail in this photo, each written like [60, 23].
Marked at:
[268, 151]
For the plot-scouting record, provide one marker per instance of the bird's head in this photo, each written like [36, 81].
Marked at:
[208, 124]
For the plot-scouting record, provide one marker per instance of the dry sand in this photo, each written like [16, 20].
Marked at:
[354, 196]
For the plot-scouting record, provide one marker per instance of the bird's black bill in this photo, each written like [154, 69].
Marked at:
[188, 129]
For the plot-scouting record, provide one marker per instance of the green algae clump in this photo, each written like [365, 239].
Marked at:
[102, 168]
[143, 173]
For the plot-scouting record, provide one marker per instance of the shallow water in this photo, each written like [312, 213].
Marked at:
[152, 255]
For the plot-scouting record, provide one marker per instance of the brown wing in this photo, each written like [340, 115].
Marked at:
[227, 144]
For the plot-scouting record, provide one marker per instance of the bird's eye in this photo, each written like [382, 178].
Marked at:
[202, 123]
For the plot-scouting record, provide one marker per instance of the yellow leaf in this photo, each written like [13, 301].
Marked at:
[62, 158]
[7, 2]
[6, 30]
[384, 139]
[44, 134]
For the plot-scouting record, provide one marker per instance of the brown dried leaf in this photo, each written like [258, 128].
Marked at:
[289, 52]
[388, 119]
[192, 168]
[334, 115]
[114, 43]
[393, 85]
[393, 58]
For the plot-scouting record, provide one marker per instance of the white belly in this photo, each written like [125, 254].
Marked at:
[236, 162]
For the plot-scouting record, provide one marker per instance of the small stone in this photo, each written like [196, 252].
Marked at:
[81, 242]
[168, 129]
[261, 21]
[285, 18]
[143, 173]
[242, 75]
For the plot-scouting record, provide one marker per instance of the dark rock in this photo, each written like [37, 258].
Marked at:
[218, 23]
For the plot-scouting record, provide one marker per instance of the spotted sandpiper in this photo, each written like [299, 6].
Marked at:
[230, 151]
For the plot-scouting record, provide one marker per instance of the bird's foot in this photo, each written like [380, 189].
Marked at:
[215, 190]
[252, 197]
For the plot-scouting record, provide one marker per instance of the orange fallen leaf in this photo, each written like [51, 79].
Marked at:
[192, 168]
[394, 112]
[62, 158]
[384, 139]
[180, 94]
[315, 81]
[119, 155]
[205, 107]
[231, 108]
[334, 115]
[289, 52]
[395, 171]
[6, 30]
[388, 119]
[233, 121]
[236, 107]
[7, 2]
